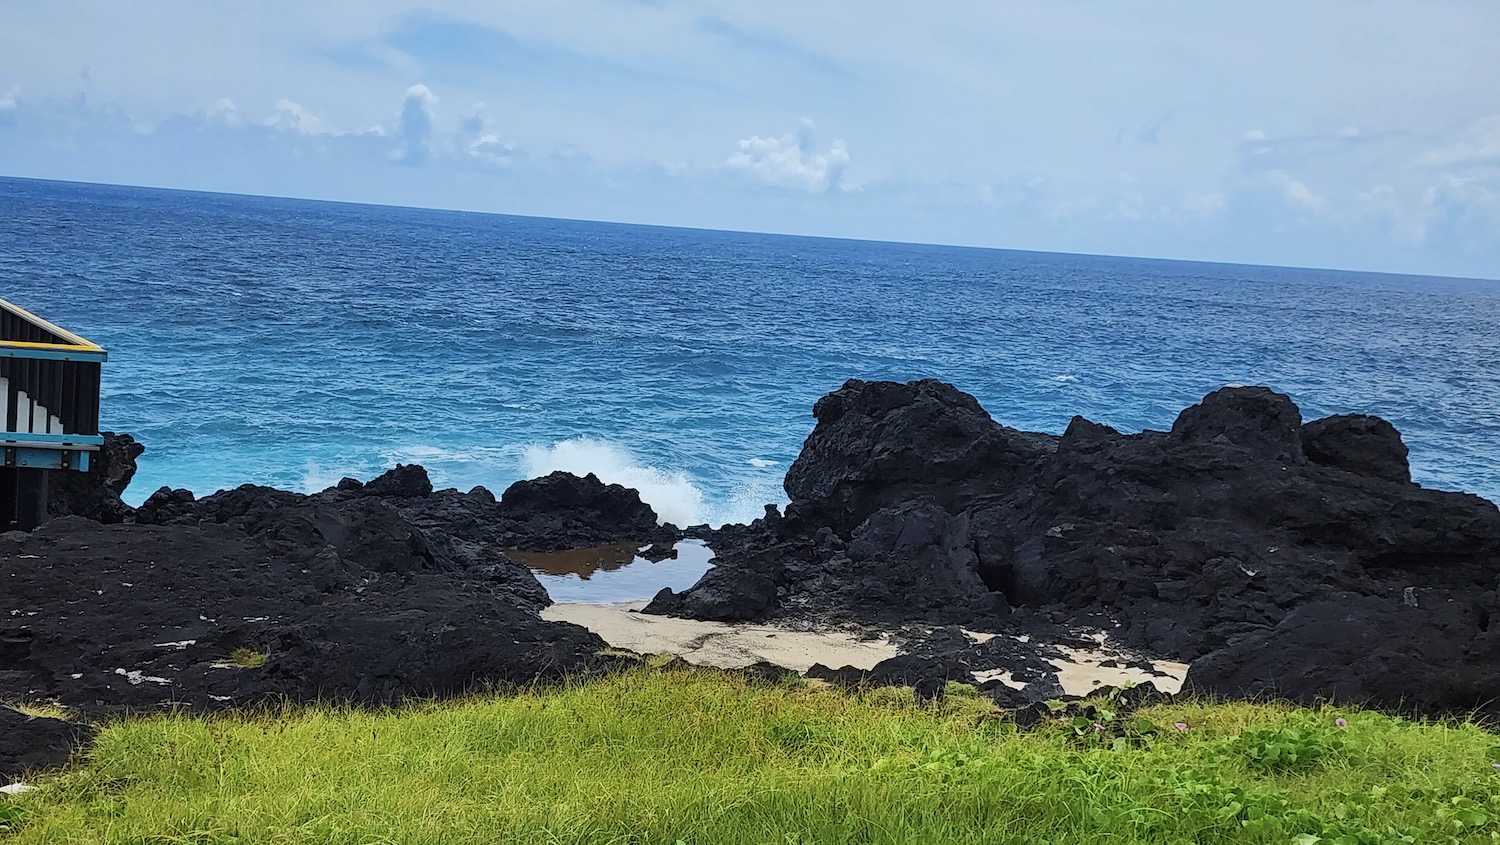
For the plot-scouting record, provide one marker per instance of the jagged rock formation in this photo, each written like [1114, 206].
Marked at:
[1240, 531]
[371, 592]
[96, 494]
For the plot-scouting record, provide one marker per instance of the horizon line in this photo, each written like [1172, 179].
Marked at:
[937, 244]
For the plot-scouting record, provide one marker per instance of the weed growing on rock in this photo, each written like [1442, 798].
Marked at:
[248, 659]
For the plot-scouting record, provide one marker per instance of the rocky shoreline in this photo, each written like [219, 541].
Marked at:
[1276, 557]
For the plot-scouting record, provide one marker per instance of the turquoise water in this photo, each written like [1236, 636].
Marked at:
[291, 343]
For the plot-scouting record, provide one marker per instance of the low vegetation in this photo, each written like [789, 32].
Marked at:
[701, 758]
[245, 658]
[39, 709]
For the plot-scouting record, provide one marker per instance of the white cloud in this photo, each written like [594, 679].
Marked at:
[1297, 193]
[489, 148]
[224, 113]
[481, 140]
[292, 117]
[1479, 144]
[1408, 190]
[792, 161]
[8, 106]
[1473, 200]
[414, 125]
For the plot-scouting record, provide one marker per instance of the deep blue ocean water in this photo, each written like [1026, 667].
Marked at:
[290, 343]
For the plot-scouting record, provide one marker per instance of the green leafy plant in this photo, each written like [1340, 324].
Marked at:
[1292, 748]
[11, 816]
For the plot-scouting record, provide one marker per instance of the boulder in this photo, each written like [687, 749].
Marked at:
[394, 524]
[1263, 424]
[566, 511]
[878, 444]
[737, 594]
[168, 507]
[1355, 650]
[1357, 443]
[402, 482]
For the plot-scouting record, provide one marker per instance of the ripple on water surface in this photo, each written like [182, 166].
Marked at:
[290, 343]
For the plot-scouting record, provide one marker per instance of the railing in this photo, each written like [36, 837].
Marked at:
[49, 393]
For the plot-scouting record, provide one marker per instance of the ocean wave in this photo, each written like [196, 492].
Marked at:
[746, 502]
[316, 478]
[673, 495]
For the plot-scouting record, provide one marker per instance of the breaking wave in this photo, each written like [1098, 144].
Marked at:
[673, 495]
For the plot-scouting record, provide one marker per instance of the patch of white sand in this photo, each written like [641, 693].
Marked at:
[1081, 673]
[732, 646]
[717, 643]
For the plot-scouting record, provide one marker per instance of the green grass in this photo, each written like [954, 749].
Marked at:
[652, 756]
[247, 659]
[39, 709]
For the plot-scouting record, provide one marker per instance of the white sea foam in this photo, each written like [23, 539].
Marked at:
[316, 478]
[747, 502]
[1065, 378]
[673, 495]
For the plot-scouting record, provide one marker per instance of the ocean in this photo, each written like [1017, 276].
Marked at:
[291, 343]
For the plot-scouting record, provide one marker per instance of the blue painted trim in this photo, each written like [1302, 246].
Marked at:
[53, 354]
[51, 441]
[48, 459]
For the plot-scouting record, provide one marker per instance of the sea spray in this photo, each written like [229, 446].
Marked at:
[673, 495]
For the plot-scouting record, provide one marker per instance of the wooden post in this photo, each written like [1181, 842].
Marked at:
[23, 498]
[31, 498]
[7, 498]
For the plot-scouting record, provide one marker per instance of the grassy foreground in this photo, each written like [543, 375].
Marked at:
[700, 758]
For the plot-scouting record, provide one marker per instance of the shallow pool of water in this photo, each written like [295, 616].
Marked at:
[615, 573]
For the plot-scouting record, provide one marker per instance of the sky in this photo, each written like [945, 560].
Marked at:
[1357, 134]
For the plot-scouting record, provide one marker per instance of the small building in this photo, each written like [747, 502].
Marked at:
[49, 406]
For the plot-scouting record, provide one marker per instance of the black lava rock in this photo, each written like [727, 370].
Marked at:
[96, 494]
[1358, 443]
[563, 511]
[31, 744]
[1221, 536]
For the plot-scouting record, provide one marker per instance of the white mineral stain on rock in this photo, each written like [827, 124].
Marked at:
[136, 677]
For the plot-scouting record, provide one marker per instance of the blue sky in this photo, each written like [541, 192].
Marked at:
[1360, 134]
